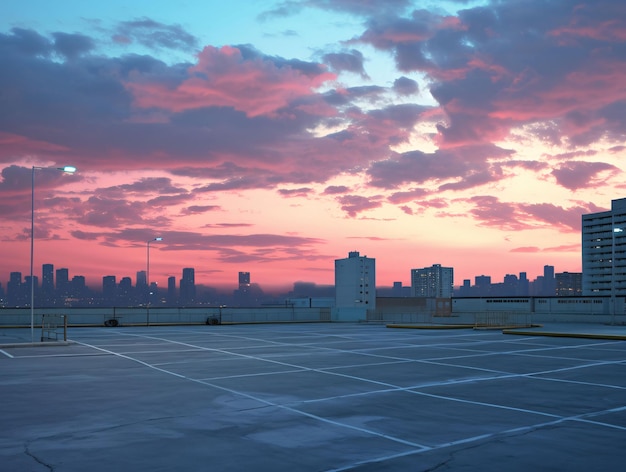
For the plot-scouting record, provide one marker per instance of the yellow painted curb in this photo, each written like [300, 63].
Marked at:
[412, 326]
[617, 337]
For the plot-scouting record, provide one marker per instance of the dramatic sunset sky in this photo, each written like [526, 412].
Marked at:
[276, 136]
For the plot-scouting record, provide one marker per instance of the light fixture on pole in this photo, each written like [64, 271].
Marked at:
[67, 170]
[148, 277]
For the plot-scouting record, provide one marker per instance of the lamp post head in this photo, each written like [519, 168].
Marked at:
[68, 169]
[158, 239]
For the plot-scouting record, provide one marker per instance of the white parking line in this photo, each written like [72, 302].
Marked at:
[263, 401]
[6, 354]
[416, 448]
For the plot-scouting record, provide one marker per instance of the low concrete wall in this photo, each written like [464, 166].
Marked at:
[349, 314]
[284, 314]
[156, 316]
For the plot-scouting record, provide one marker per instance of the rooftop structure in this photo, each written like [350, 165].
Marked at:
[604, 251]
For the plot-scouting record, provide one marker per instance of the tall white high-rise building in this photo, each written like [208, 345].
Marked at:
[355, 282]
[434, 282]
[604, 251]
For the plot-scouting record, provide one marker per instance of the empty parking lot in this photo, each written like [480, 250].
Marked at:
[312, 397]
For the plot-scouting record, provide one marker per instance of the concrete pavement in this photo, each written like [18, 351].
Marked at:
[314, 397]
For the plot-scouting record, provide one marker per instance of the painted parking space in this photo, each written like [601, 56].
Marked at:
[311, 397]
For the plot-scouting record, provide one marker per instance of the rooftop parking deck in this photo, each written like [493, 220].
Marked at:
[312, 397]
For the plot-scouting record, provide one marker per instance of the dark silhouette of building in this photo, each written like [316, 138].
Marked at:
[172, 298]
[141, 286]
[510, 285]
[523, 287]
[16, 294]
[153, 293]
[125, 292]
[62, 285]
[434, 281]
[47, 293]
[109, 288]
[549, 283]
[311, 290]
[34, 290]
[78, 287]
[244, 280]
[569, 284]
[465, 290]
[188, 287]
[242, 295]
[482, 286]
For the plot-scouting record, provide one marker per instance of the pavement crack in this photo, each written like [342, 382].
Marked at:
[36, 459]
[440, 464]
[134, 423]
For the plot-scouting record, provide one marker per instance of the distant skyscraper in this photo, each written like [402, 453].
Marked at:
[549, 284]
[435, 282]
[34, 280]
[355, 282]
[604, 251]
[125, 292]
[242, 295]
[141, 286]
[244, 278]
[465, 290]
[109, 289]
[153, 293]
[523, 287]
[62, 283]
[141, 281]
[78, 286]
[482, 285]
[16, 295]
[47, 285]
[172, 299]
[569, 284]
[538, 287]
[510, 285]
[188, 287]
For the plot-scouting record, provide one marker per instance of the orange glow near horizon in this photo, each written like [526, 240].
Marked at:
[412, 135]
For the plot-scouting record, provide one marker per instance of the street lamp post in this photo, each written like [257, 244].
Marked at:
[67, 170]
[148, 277]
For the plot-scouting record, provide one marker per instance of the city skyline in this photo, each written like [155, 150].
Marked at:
[355, 286]
[139, 278]
[277, 136]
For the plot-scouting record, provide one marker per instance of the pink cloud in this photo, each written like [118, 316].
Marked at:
[526, 249]
[534, 249]
[199, 209]
[295, 192]
[12, 144]
[354, 204]
[224, 78]
[578, 174]
[406, 209]
[564, 248]
[489, 211]
[408, 196]
[508, 64]
[336, 189]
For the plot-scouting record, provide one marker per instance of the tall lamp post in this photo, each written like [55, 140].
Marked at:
[148, 277]
[67, 170]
